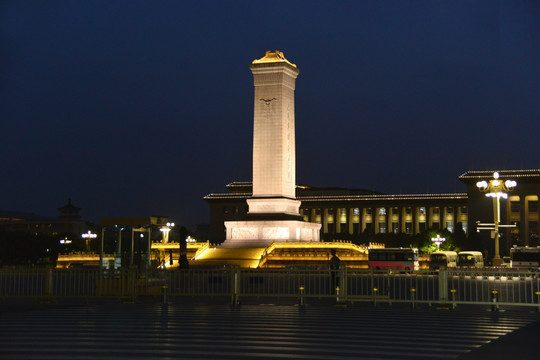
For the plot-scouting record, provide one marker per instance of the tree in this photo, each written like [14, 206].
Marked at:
[19, 248]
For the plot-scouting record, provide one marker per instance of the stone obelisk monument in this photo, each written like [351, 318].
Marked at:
[273, 209]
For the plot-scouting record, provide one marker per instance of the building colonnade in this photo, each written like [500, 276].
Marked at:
[386, 219]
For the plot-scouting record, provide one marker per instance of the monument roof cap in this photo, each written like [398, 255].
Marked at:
[272, 57]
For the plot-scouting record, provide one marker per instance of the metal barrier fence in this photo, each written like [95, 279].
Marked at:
[448, 287]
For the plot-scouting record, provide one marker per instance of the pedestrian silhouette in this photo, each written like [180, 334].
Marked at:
[335, 264]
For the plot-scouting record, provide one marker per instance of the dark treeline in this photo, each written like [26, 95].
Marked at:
[456, 241]
[19, 248]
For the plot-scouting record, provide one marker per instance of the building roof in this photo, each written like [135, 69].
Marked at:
[6, 215]
[273, 57]
[134, 221]
[404, 197]
[246, 187]
[69, 207]
[474, 175]
[242, 190]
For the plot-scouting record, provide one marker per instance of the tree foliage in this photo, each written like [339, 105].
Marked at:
[454, 241]
[18, 248]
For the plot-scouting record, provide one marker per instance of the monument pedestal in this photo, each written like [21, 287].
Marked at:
[262, 233]
[274, 206]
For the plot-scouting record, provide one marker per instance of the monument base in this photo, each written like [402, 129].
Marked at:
[277, 205]
[262, 233]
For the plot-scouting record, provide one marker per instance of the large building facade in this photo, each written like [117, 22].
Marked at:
[346, 211]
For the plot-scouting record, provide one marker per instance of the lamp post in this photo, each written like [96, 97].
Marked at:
[166, 230]
[88, 236]
[438, 241]
[495, 189]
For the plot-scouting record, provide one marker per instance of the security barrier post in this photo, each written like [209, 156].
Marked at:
[453, 292]
[494, 294]
[164, 289]
[235, 278]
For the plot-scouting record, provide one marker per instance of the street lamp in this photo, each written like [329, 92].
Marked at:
[495, 189]
[438, 241]
[165, 230]
[88, 236]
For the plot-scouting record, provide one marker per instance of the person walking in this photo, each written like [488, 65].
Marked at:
[335, 264]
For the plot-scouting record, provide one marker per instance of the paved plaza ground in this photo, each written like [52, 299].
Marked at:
[203, 329]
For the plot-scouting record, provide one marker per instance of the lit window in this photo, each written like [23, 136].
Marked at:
[533, 228]
[408, 227]
[514, 206]
[382, 211]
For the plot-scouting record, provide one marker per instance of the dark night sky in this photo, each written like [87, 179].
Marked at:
[137, 108]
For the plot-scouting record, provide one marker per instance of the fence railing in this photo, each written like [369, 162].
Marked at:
[448, 287]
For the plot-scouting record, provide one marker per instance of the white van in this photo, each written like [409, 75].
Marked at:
[470, 259]
[442, 260]
[525, 257]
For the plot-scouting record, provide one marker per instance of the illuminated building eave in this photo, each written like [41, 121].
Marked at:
[461, 196]
[318, 198]
[480, 174]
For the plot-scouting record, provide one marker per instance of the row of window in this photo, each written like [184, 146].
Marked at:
[515, 206]
[383, 211]
[382, 227]
[356, 211]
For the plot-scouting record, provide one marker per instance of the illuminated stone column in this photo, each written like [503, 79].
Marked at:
[389, 219]
[350, 220]
[367, 216]
[403, 217]
[325, 221]
[416, 212]
[273, 211]
[337, 220]
[274, 152]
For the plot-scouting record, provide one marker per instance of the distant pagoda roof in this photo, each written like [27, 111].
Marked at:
[69, 207]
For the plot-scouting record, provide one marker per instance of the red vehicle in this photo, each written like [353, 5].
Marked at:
[394, 258]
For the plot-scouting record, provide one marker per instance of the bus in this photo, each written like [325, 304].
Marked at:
[525, 257]
[394, 258]
[442, 260]
[470, 259]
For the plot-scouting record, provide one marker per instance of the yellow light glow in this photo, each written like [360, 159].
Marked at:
[271, 57]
